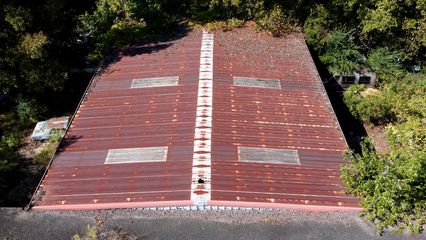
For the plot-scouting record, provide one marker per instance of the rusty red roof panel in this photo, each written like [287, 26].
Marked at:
[295, 117]
[113, 116]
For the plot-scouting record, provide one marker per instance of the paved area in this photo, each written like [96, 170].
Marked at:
[181, 224]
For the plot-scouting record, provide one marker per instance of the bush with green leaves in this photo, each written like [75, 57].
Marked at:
[45, 154]
[112, 22]
[408, 136]
[408, 96]
[91, 233]
[369, 105]
[340, 53]
[276, 21]
[386, 64]
[95, 233]
[317, 27]
[28, 111]
[48, 151]
[392, 187]
[227, 25]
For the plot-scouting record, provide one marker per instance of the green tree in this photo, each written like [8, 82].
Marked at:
[340, 53]
[385, 63]
[37, 46]
[401, 22]
[317, 27]
[408, 96]
[276, 22]
[112, 22]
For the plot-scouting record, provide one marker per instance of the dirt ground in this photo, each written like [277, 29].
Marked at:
[378, 136]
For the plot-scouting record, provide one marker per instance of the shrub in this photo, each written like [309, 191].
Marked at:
[340, 53]
[28, 111]
[11, 140]
[56, 136]
[94, 233]
[408, 96]
[224, 25]
[45, 154]
[392, 187]
[276, 22]
[91, 233]
[410, 135]
[385, 63]
[352, 97]
[375, 109]
[369, 106]
[316, 27]
[125, 32]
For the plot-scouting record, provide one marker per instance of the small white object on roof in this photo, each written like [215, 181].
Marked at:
[43, 129]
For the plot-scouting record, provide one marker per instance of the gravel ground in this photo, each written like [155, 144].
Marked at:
[185, 224]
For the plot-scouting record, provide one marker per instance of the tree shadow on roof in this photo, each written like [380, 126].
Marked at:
[150, 44]
[67, 142]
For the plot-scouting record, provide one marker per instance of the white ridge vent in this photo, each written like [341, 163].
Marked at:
[268, 155]
[136, 155]
[155, 82]
[257, 82]
[201, 160]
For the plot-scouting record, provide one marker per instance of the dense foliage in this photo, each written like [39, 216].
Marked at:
[393, 185]
[386, 32]
[38, 46]
[397, 101]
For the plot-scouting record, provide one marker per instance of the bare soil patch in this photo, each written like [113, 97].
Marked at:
[378, 137]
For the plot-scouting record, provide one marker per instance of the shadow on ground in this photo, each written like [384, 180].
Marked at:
[353, 129]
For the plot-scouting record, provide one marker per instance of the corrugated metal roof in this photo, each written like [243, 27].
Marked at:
[203, 121]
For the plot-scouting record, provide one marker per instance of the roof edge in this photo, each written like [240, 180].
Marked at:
[321, 83]
[289, 206]
[99, 206]
[188, 205]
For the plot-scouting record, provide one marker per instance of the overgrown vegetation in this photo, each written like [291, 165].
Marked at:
[392, 186]
[48, 150]
[95, 233]
[41, 42]
[224, 25]
[38, 47]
